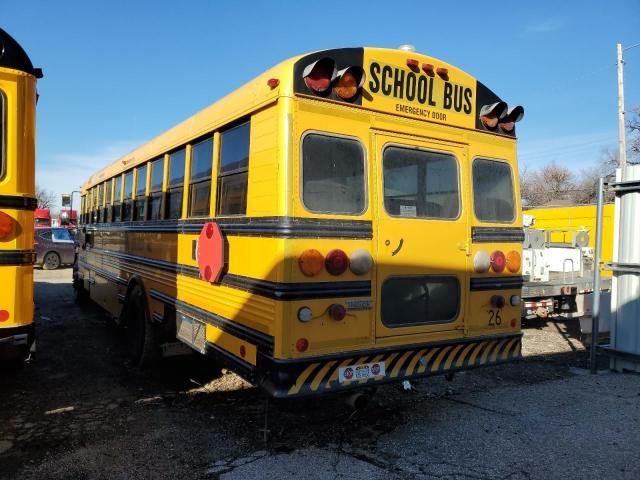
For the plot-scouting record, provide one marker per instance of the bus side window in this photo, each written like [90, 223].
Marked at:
[176, 184]
[154, 208]
[141, 192]
[100, 202]
[107, 207]
[82, 207]
[90, 207]
[127, 207]
[233, 172]
[200, 178]
[117, 208]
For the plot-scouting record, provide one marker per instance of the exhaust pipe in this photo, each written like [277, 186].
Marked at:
[357, 401]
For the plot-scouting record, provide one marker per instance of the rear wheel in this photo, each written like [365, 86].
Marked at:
[51, 261]
[140, 335]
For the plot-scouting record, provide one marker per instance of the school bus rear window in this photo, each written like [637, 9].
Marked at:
[419, 300]
[493, 191]
[333, 179]
[420, 184]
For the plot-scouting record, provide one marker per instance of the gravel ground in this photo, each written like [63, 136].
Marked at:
[79, 410]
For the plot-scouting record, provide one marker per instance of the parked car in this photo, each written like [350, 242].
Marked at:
[54, 247]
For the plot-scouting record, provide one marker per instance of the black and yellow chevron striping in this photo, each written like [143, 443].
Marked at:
[322, 376]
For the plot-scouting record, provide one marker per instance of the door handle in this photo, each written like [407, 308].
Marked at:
[397, 248]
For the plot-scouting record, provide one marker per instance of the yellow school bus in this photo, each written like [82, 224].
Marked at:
[17, 197]
[348, 218]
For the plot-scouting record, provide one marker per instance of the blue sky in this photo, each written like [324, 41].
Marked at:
[119, 73]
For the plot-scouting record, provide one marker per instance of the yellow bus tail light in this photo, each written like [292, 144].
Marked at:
[490, 115]
[336, 262]
[349, 82]
[498, 261]
[6, 225]
[310, 262]
[4, 315]
[514, 261]
[319, 74]
[361, 261]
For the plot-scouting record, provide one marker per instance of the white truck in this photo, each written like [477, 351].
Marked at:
[557, 267]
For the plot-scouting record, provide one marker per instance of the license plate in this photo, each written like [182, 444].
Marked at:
[361, 372]
[191, 331]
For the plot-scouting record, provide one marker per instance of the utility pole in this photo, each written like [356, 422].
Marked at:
[622, 145]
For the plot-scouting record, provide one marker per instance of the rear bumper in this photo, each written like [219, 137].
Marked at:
[319, 375]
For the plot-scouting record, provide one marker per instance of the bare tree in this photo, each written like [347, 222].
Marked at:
[46, 198]
[547, 184]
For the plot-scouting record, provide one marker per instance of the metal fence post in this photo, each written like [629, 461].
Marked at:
[596, 279]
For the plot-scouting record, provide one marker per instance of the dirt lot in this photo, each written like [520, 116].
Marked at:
[79, 410]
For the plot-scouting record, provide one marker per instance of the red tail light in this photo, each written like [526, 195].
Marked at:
[498, 261]
[6, 225]
[336, 262]
[4, 315]
[302, 344]
[337, 312]
[319, 75]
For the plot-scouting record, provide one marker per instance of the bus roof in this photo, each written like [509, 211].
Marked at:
[398, 82]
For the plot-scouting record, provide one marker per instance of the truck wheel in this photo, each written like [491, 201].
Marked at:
[51, 261]
[140, 335]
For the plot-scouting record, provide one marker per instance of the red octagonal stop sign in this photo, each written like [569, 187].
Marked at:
[210, 252]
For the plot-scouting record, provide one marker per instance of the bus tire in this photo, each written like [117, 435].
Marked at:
[51, 261]
[140, 335]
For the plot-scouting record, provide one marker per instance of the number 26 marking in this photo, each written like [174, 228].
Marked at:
[494, 318]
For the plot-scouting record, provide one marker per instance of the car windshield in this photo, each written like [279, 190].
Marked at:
[61, 234]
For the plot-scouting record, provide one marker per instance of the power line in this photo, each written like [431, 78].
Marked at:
[632, 46]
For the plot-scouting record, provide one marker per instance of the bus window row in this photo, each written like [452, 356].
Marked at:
[417, 183]
[154, 197]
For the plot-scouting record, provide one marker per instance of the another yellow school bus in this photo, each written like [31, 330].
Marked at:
[17, 197]
[348, 218]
